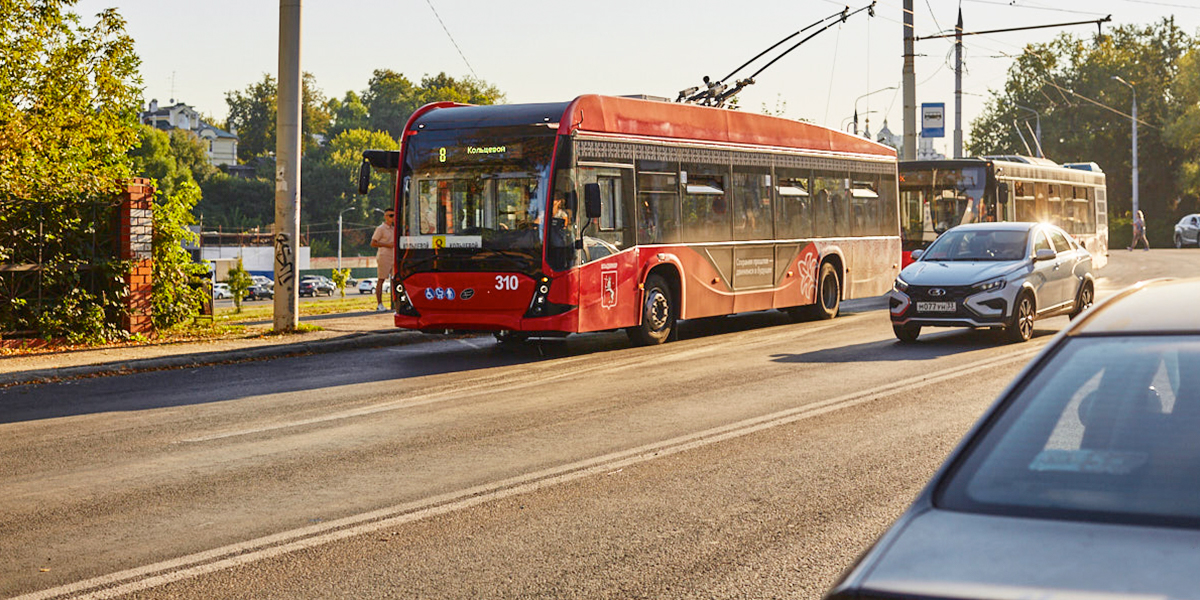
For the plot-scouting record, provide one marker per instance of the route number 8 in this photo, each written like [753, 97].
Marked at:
[506, 282]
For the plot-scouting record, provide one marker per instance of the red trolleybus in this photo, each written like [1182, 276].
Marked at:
[607, 212]
[936, 195]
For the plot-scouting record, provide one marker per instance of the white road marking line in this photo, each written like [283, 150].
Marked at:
[217, 559]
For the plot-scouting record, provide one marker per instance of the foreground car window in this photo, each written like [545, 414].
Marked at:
[1108, 430]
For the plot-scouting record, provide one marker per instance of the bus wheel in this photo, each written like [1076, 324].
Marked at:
[658, 314]
[829, 293]
[907, 333]
[1021, 328]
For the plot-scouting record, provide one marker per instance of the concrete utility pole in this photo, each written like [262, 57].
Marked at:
[910, 87]
[287, 168]
[958, 141]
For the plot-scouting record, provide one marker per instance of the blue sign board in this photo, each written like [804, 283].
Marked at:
[933, 119]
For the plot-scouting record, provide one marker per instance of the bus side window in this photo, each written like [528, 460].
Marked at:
[793, 204]
[657, 202]
[751, 203]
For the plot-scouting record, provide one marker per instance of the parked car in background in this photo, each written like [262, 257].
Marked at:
[1004, 275]
[221, 291]
[260, 292]
[315, 285]
[1187, 231]
[366, 286]
[262, 280]
[1079, 482]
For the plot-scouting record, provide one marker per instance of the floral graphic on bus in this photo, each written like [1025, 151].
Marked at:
[806, 266]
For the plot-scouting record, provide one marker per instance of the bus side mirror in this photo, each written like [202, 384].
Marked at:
[1002, 192]
[591, 200]
[572, 201]
[364, 177]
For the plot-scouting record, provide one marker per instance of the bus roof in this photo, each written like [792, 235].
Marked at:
[636, 117]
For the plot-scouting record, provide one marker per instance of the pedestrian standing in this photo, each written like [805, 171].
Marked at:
[384, 239]
[1139, 231]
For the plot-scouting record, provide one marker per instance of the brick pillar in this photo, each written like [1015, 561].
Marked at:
[135, 237]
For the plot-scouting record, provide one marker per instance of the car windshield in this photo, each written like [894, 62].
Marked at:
[1106, 430]
[977, 244]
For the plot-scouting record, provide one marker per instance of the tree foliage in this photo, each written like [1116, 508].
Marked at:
[331, 185]
[1084, 112]
[252, 112]
[391, 97]
[69, 96]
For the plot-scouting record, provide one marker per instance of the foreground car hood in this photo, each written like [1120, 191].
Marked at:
[954, 555]
[957, 273]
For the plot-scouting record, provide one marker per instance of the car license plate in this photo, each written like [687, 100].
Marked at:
[937, 306]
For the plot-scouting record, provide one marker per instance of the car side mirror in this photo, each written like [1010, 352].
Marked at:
[1044, 254]
[591, 200]
[916, 254]
[364, 177]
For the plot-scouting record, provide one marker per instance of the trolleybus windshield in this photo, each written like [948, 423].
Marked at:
[475, 198]
[938, 199]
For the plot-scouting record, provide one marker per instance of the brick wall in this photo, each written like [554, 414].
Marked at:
[136, 226]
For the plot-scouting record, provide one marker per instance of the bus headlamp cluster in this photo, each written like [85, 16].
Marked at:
[402, 303]
[537, 306]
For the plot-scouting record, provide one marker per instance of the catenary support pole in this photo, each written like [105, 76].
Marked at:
[287, 168]
[910, 87]
[958, 49]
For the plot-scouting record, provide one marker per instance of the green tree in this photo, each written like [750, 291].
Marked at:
[239, 284]
[391, 97]
[1084, 112]
[331, 185]
[1183, 133]
[348, 113]
[236, 203]
[340, 277]
[69, 96]
[253, 113]
[176, 293]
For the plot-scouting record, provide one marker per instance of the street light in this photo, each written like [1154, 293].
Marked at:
[1134, 119]
[1037, 136]
[340, 235]
[864, 96]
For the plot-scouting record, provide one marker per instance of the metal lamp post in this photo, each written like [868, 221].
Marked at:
[1135, 152]
[864, 96]
[344, 211]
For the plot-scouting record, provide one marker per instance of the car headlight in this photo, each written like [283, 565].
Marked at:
[990, 286]
[900, 285]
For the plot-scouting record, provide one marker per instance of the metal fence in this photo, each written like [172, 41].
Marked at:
[51, 250]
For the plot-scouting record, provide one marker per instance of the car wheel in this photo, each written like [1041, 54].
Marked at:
[907, 333]
[829, 293]
[1086, 297]
[1021, 328]
[658, 314]
[1178, 241]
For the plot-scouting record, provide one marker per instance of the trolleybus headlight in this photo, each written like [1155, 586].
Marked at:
[537, 306]
[989, 286]
[402, 304]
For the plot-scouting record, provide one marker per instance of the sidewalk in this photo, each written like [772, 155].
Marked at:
[341, 331]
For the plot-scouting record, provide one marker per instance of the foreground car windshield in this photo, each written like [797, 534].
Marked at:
[975, 244]
[1106, 431]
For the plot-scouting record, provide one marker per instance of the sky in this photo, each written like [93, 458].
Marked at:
[547, 51]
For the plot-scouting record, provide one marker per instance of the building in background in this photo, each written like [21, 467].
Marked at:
[222, 145]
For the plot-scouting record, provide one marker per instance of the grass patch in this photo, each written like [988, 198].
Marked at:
[307, 308]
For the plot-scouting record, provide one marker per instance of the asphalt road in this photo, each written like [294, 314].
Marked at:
[754, 458]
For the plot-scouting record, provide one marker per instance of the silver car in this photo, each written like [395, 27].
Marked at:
[1081, 481]
[1187, 231]
[1003, 275]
